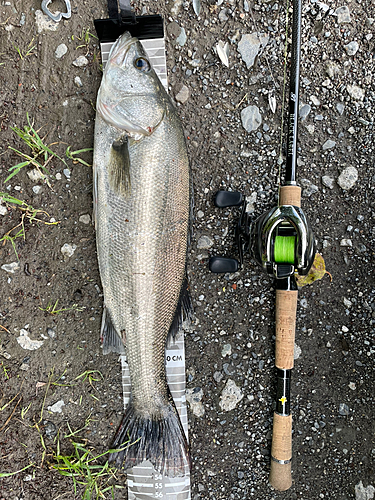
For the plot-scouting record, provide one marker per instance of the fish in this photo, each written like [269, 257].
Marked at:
[142, 205]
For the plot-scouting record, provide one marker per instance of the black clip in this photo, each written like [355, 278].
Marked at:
[121, 10]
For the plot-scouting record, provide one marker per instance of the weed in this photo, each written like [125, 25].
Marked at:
[84, 467]
[84, 37]
[72, 155]
[27, 52]
[31, 137]
[52, 308]
[8, 474]
[5, 371]
[90, 375]
[30, 213]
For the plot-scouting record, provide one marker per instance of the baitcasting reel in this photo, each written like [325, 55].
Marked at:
[281, 240]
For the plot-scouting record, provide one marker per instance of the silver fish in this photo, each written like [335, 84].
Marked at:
[141, 211]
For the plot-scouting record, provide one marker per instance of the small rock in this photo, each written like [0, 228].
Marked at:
[68, 250]
[37, 189]
[35, 175]
[50, 429]
[230, 396]
[332, 69]
[249, 47]
[351, 48]
[78, 81]
[61, 50]
[223, 15]
[226, 350]
[340, 108]
[343, 409]
[343, 15]
[85, 219]
[67, 173]
[57, 407]
[204, 243]
[297, 351]
[11, 268]
[3, 210]
[43, 22]
[181, 39]
[348, 178]
[347, 302]
[329, 144]
[25, 367]
[51, 332]
[251, 118]
[351, 130]
[183, 95]
[81, 62]
[352, 386]
[362, 493]
[218, 376]
[355, 92]
[328, 181]
[193, 397]
[304, 112]
[346, 242]
[26, 343]
[315, 100]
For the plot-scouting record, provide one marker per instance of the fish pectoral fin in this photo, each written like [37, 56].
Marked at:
[112, 341]
[184, 311]
[119, 166]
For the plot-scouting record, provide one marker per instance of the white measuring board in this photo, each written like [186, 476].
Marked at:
[144, 482]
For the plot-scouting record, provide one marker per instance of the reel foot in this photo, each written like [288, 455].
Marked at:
[223, 265]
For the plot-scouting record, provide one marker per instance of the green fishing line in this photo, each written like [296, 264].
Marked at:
[284, 249]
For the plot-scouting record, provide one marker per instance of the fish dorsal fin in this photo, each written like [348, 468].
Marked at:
[119, 166]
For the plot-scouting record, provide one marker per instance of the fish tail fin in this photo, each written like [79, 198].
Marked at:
[158, 438]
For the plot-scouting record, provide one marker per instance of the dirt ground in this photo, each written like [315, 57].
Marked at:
[333, 379]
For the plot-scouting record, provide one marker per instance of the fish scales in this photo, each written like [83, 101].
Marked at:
[142, 205]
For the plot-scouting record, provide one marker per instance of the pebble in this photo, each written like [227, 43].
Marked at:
[57, 407]
[346, 242]
[230, 396]
[67, 173]
[226, 350]
[315, 100]
[85, 219]
[362, 493]
[351, 48]
[355, 92]
[309, 188]
[35, 175]
[43, 22]
[194, 397]
[181, 39]
[329, 144]
[348, 177]
[37, 189]
[50, 429]
[27, 343]
[204, 243]
[249, 47]
[297, 351]
[68, 250]
[343, 409]
[183, 95]
[80, 62]
[61, 50]
[3, 210]
[328, 181]
[218, 376]
[11, 268]
[304, 112]
[251, 118]
[343, 15]
[78, 81]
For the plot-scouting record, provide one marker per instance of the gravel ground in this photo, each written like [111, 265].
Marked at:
[232, 119]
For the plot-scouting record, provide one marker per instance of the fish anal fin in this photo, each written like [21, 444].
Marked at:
[119, 166]
[112, 342]
[184, 311]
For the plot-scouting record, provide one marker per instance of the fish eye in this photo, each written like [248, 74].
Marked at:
[142, 64]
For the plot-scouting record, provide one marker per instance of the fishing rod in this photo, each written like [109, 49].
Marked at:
[282, 243]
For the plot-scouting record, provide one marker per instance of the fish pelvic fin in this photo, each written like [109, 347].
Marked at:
[159, 439]
[119, 166]
[111, 340]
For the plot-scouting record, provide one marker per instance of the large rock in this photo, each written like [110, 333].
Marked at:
[251, 118]
[249, 47]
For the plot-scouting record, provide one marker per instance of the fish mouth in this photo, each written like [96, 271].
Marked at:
[121, 48]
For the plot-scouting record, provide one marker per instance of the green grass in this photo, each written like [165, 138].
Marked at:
[52, 308]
